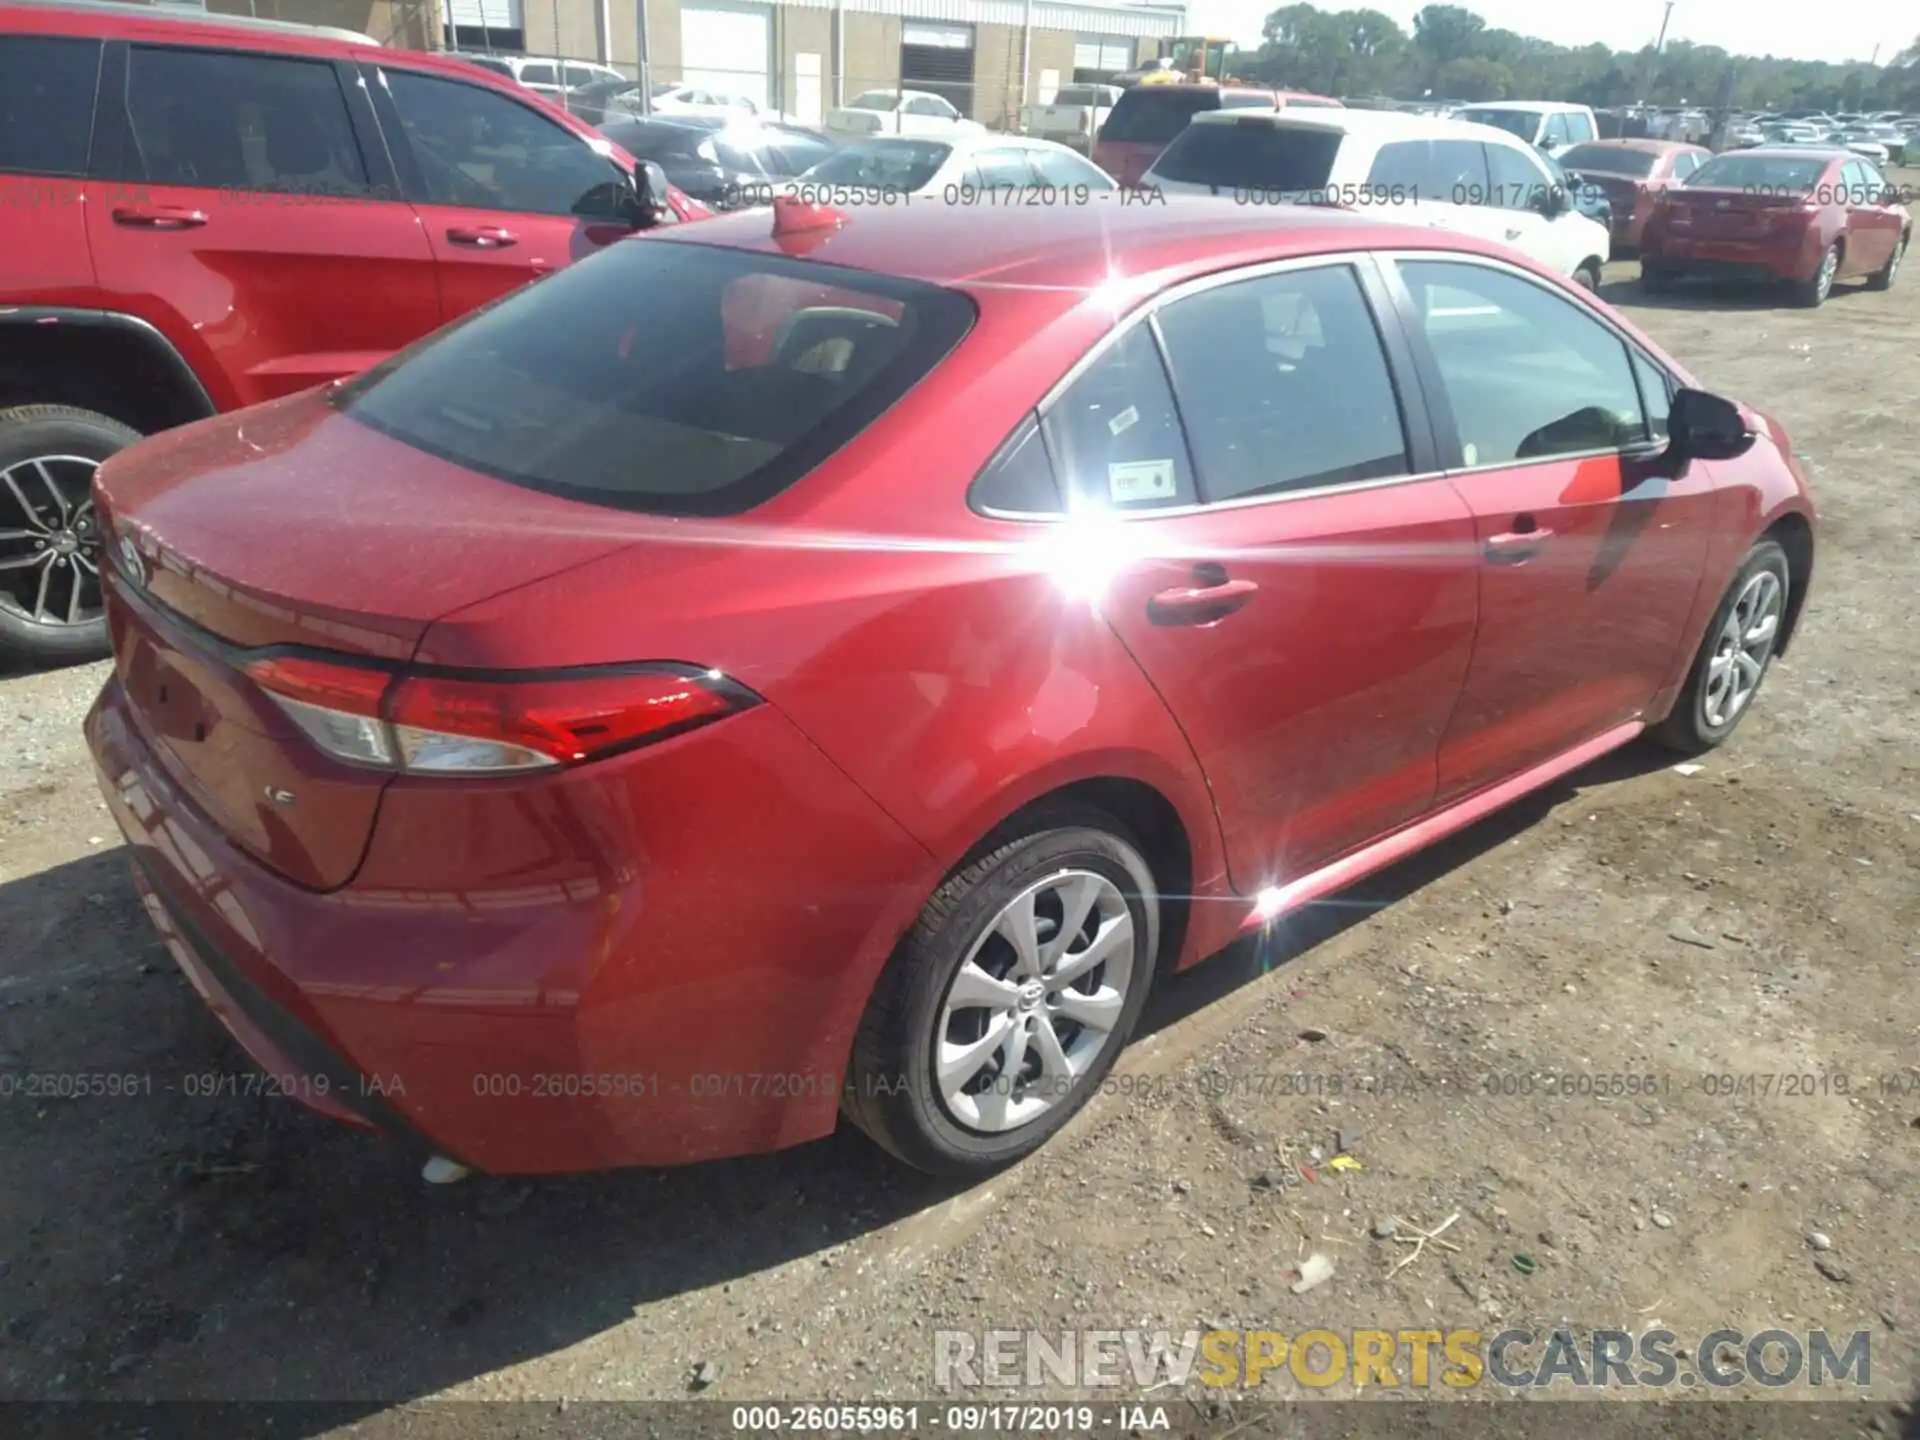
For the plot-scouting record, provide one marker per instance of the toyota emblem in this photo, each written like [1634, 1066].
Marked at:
[131, 562]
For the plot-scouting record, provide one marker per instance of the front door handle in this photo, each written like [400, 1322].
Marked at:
[482, 237]
[159, 217]
[1200, 604]
[1514, 546]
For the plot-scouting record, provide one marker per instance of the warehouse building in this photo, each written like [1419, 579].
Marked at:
[802, 56]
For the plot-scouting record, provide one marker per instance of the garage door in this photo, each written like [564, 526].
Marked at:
[728, 48]
[939, 58]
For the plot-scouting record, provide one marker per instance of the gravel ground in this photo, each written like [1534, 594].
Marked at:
[1757, 917]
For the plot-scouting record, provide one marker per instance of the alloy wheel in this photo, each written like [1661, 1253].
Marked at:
[1829, 266]
[49, 544]
[1036, 1001]
[1741, 652]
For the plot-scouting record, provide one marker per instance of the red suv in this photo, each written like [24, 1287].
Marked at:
[202, 214]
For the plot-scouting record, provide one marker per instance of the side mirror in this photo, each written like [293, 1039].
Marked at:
[1702, 426]
[635, 203]
[1553, 201]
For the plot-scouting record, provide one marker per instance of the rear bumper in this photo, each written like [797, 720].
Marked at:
[1732, 259]
[627, 980]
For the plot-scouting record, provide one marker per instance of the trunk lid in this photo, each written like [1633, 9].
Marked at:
[1729, 212]
[287, 525]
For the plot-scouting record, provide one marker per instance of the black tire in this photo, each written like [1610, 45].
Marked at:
[1812, 292]
[1687, 727]
[1654, 279]
[891, 1093]
[30, 629]
[1882, 279]
[1587, 277]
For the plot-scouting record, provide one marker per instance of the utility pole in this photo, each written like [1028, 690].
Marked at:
[1659, 44]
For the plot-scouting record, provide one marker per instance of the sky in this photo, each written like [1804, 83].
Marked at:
[1832, 30]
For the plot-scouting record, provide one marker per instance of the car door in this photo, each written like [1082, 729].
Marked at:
[495, 182]
[1589, 559]
[253, 219]
[1518, 186]
[1287, 560]
[1873, 226]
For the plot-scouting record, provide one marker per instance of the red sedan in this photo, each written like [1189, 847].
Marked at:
[815, 664]
[1791, 213]
[1632, 174]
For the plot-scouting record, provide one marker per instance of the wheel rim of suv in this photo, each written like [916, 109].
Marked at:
[1740, 654]
[49, 545]
[1036, 1002]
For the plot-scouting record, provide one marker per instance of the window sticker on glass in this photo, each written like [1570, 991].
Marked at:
[1125, 420]
[1131, 480]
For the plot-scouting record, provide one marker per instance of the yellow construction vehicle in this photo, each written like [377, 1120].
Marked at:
[1188, 59]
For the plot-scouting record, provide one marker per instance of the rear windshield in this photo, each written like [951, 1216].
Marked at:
[1256, 156]
[668, 378]
[904, 165]
[1156, 113]
[1523, 123]
[1777, 174]
[1609, 160]
[1079, 95]
[882, 100]
[646, 141]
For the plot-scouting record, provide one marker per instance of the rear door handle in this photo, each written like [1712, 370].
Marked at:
[1199, 604]
[159, 217]
[482, 237]
[1514, 546]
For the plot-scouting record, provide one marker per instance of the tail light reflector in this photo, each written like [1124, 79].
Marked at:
[459, 725]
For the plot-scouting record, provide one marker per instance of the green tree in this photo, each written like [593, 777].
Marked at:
[1472, 78]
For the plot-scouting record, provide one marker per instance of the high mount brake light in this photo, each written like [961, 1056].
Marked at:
[433, 724]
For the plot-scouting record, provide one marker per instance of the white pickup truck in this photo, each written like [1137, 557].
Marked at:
[1074, 117]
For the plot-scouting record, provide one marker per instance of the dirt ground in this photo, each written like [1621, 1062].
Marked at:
[1757, 918]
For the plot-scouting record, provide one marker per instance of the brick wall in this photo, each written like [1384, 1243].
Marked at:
[873, 54]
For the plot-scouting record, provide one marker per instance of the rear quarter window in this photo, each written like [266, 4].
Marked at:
[665, 378]
[46, 103]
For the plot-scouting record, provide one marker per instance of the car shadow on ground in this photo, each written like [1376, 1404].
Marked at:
[151, 1246]
[1712, 295]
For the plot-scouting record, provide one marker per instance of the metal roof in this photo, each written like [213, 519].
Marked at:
[195, 15]
[1080, 16]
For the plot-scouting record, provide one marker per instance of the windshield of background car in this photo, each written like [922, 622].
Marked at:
[1156, 113]
[1607, 160]
[903, 165]
[1767, 174]
[1523, 123]
[1258, 156]
[648, 141]
[674, 379]
[874, 100]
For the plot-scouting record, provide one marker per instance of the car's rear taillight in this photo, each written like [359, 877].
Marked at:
[462, 725]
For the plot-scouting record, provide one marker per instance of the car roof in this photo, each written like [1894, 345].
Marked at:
[1649, 145]
[963, 140]
[1070, 249]
[1531, 107]
[1795, 152]
[1364, 124]
[124, 13]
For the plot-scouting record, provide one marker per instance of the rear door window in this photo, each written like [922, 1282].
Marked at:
[1252, 155]
[1115, 435]
[1459, 173]
[665, 378]
[46, 103]
[537, 72]
[213, 120]
[1402, 168]
[1283, 384]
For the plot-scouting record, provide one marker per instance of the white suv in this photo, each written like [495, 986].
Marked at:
[1549, 125]
[1412, 168]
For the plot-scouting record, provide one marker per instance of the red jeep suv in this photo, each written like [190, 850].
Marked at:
[205, 213]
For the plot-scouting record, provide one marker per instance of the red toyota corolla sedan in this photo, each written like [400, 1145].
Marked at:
[1796, 214]
[822, 664]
